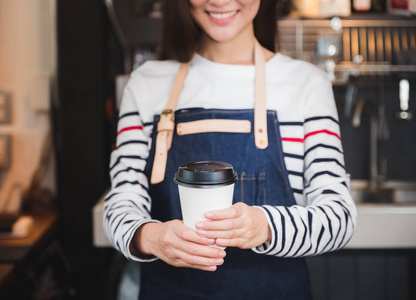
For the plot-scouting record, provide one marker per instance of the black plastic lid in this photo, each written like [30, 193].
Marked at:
[205, 174]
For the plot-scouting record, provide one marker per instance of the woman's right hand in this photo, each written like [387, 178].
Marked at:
[177, 245]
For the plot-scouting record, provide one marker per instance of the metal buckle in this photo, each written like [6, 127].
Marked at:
[169, 112]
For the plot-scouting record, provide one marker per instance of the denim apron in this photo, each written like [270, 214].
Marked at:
[263, 180]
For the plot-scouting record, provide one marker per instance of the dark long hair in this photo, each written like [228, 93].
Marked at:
[181, 35]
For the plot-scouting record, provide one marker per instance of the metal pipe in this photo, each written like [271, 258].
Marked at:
[119, 33]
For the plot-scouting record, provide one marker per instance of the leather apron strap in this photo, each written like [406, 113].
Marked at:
[166, 124]
[260, 112]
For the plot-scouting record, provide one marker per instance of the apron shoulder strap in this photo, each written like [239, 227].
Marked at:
[166, 125]
[260, 112]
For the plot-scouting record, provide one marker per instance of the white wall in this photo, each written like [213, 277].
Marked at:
[27, 68]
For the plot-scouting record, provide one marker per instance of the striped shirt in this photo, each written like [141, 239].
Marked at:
[324, 217]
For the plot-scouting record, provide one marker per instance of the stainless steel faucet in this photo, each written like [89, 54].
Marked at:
[356, 122]
[378, 131]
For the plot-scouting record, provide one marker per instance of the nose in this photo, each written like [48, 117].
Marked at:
[219, 2]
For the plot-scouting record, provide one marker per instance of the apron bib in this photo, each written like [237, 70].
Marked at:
[263, 179]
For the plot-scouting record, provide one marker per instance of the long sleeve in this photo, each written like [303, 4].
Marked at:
[127, 206]
[328, 219]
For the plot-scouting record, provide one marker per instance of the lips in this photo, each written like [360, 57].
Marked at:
[222, 16]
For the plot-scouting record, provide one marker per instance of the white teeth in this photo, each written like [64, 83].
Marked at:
[222, 16]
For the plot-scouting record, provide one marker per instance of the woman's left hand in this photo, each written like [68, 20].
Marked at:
[239, 226]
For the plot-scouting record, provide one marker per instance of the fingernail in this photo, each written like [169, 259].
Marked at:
[222, 254]
[211, 241]
[219, 261]
[209, 215]
[213, 268]
[199, 225]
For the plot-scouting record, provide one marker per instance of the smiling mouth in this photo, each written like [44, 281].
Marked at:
[221, 16]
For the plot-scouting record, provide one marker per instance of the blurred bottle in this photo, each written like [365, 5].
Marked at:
[399, 7]
[323, 8]
[360, 6]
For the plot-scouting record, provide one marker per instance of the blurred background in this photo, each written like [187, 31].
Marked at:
[63, 66]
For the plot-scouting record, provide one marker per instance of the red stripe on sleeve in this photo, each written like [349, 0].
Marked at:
[295, 140]
[130, 128]
[322, 131]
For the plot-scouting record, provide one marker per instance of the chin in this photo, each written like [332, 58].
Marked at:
[222, 37]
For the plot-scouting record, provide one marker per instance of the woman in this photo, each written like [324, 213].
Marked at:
[292, 198]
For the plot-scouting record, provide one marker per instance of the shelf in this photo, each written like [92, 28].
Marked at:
[370, 16]
[343, 72]
[367, 45]
[15, 250]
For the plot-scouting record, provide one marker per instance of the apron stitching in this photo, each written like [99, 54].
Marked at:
[219, 111]
[242, 186]
[264, 190]
[279, 143]
[216, 111]
[243, 178]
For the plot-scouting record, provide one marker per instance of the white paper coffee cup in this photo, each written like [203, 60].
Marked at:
[204, 186]
[195, 202]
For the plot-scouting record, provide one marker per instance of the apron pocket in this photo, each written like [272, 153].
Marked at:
[253, 188]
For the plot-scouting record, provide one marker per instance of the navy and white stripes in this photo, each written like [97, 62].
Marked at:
[128, 204]
[324, 218]
[328, 220]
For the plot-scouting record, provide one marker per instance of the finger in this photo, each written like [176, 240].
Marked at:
[193, 249]
[221, 234]
[226, 213]
[191, 235]
[211, 269]
[183, 264]
[196, 261]
[203, 268]
[227, 224]
[229, 242]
